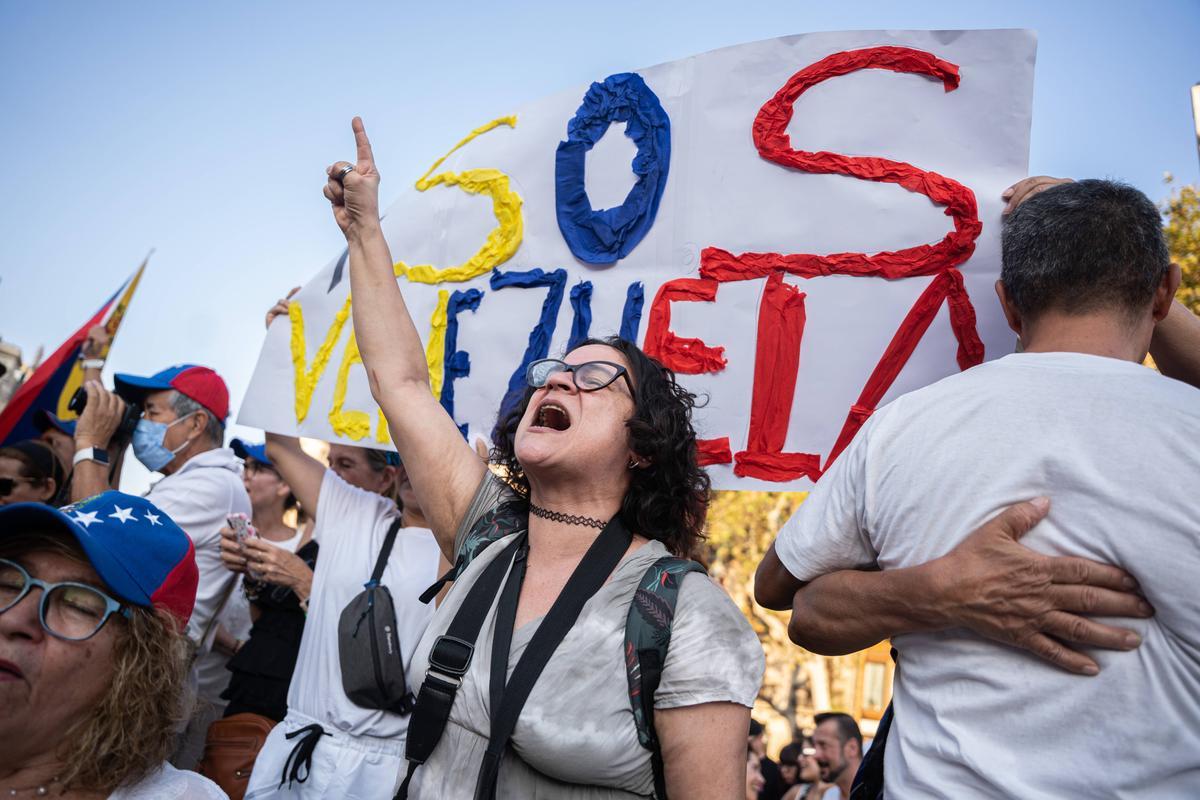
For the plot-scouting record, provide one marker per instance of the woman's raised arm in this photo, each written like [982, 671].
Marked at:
[443, 468]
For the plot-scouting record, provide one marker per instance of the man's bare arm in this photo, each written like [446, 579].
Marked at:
[1175, 346]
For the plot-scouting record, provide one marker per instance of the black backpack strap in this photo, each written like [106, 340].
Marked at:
[449, 659]
[493, 526]
[647, 637]
[385, 552]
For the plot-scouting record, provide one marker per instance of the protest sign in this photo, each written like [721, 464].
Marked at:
[803, 228]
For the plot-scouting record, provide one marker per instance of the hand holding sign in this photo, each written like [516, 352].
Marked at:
[353, 189]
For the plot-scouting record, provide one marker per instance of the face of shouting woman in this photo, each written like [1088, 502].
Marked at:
[568, 434]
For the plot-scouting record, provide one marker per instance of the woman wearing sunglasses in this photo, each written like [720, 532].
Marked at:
[602, 452]
[94, 599]
[30, 472]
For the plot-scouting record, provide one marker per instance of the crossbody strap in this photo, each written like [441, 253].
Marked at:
[385, 552]
[449, 659]
[597, 564]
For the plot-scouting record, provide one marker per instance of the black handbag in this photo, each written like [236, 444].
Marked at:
[369, 644]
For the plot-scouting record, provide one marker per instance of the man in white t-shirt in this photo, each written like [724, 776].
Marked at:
[351, 751]
[1075, 417]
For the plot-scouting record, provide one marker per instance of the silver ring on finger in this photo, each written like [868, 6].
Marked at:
[344, 171]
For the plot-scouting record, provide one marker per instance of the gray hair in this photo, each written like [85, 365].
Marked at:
[213, 427]
[1083, 246]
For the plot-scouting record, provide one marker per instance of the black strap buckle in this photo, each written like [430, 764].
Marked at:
[450, 658]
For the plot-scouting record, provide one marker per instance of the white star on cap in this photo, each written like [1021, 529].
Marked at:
[123, 514]
[152, 519]
[87, 519]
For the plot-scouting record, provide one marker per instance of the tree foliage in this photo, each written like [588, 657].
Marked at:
[741, 526]
[1181, 223]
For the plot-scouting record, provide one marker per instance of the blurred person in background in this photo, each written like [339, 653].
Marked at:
[838, 750]
[789, 765]
[59, 434]
[754, 777]
[278, 590]
[30, 472]
[773, 786]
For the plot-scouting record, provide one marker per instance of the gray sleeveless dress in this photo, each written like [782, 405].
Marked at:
[575, 737]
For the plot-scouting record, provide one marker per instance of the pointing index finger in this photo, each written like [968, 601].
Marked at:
[362, 143]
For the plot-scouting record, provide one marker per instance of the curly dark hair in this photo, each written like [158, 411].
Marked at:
[668, 499]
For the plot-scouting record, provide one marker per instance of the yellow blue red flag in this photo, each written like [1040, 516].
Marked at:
[56, 379]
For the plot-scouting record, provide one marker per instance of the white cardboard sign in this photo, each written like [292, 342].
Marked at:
[750, 207]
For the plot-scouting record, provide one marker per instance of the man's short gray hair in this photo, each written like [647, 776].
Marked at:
[213, 427]
[1084, 246]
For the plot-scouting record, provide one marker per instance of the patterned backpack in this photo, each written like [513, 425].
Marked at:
[647, 628]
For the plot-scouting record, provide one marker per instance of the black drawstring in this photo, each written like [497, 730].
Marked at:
[301, 755]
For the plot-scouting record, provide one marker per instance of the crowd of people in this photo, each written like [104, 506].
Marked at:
[529, 621]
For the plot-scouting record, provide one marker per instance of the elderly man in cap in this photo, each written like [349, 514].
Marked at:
[181, 435]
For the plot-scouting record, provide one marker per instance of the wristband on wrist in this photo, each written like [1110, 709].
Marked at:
[99, 455]
[91, 363]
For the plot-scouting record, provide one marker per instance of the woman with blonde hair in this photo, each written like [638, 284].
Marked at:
[94, 599]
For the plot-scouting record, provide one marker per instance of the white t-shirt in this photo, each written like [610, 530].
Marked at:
[169, 783]
[1113, 444]
[199, 497]
[350, 527]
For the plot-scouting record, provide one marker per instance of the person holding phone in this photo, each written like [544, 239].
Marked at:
[278, 588]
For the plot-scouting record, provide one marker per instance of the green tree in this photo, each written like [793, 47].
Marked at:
[740, 528]
[1181, 223]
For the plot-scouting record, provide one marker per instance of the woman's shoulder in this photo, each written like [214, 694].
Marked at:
[169, 783]
[493, 513]
[714, 655]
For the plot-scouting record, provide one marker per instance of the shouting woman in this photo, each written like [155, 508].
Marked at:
[601, 453]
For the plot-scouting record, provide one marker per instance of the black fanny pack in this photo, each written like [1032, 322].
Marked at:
[369, 644]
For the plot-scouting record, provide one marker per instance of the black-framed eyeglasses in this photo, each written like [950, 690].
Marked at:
[68, 610]
[590, 376]
[254, 466]
[8, 484]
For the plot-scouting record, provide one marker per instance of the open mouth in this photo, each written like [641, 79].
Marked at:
[553, 416]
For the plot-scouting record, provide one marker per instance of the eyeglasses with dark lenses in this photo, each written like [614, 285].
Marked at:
[589, 376]
[68, 610]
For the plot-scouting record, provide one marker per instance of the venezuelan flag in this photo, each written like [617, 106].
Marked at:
[53, 383]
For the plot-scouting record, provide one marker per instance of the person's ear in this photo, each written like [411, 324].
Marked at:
[387, 477]
[196, 424]
[283, 490]
[1011, 315]
[51, 489]
[1164, 295]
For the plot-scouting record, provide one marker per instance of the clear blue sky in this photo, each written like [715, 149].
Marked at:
[202, 129]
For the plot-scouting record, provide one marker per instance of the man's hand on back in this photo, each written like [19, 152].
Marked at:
[1002, 590]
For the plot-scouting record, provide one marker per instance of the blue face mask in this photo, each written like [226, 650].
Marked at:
[148, 443]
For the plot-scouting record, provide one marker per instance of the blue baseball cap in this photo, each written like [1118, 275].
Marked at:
[136, 549]
[201, 384]
[243, 450]
[43, 420]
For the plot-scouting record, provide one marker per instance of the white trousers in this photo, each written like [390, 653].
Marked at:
[343, 765]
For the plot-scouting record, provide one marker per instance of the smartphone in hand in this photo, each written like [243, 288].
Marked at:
[244, 531]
